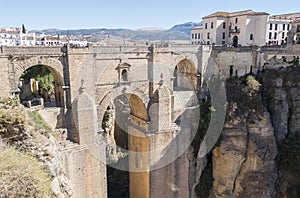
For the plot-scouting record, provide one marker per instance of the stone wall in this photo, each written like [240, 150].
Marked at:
[5, 76]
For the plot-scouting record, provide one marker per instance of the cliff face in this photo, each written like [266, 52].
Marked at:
[259, 150]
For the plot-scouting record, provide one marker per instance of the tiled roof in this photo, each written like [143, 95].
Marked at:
[234, 14]
[291, 16]
[197, 28]
[51, 38]
[10, 32]
[217, 14]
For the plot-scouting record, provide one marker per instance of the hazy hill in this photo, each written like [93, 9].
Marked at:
[177, 32]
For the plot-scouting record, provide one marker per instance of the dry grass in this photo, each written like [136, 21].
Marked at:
[21, 175]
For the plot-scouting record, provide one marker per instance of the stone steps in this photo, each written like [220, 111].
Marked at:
[68, 146]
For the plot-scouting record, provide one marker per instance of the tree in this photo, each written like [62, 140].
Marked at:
[23, 29]
[43, 75]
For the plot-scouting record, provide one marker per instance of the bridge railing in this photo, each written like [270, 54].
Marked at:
[34, 50]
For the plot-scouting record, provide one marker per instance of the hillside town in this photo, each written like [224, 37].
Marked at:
[246, 28]
[14, 36]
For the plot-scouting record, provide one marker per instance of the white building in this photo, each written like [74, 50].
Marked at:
[278, 27]
[294, 34]
[243, 28]
[236, 28]
[196, 35]
[9, 36]
[27, 39]
[51, 40]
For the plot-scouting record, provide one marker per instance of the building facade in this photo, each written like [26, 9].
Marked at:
[196, 35]
[9, 36]
[278, 27]
[234, 29]
[243, 28]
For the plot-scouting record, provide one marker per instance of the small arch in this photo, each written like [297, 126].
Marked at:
[124, 75]
[185, 75]
[231, 70]
[175, 74]
[235, 41]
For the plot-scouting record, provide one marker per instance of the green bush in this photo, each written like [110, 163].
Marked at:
[21, 175]
[253, 84]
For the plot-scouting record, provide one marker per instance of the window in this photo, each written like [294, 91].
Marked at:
[283, 35]
[251, 37]
[275, 35]
[236, 20]
[270, 35]
[205, 25]
[199, 36]
[212, 25]
[124, 75]
[223, 42]
[208, 35]
[271, 26]
[224, 25]
[283, 27]
[276, 26]
[298, 28]
[192, 36]
[288, 27]
[195, 36]
[223, 36]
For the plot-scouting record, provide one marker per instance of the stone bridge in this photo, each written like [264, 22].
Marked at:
[142, 92]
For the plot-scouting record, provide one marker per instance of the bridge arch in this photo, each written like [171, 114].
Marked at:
[20, 65]
[185, 75]
[110, 95]
[124, 122]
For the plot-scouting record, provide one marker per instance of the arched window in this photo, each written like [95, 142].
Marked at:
[124, 75]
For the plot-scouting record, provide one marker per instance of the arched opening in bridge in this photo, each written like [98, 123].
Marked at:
[124, 75]
[41, 84]
[297, 38]
[124, 123]
[185, 76]
[235, 41]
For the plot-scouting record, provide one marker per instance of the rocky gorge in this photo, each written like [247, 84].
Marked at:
[258, 152]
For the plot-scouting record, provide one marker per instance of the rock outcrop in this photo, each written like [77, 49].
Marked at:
[258, 153]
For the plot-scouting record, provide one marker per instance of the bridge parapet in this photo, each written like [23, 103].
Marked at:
[34, 50]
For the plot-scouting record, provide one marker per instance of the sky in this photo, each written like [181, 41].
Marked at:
[134, 14]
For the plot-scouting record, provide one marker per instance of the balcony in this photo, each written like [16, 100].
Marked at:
[236, 30]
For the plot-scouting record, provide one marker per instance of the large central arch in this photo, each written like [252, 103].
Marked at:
[128, 113]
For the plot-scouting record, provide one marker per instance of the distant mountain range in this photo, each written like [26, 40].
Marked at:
[177, 32]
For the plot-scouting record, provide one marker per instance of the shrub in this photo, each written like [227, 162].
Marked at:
[253, 85]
